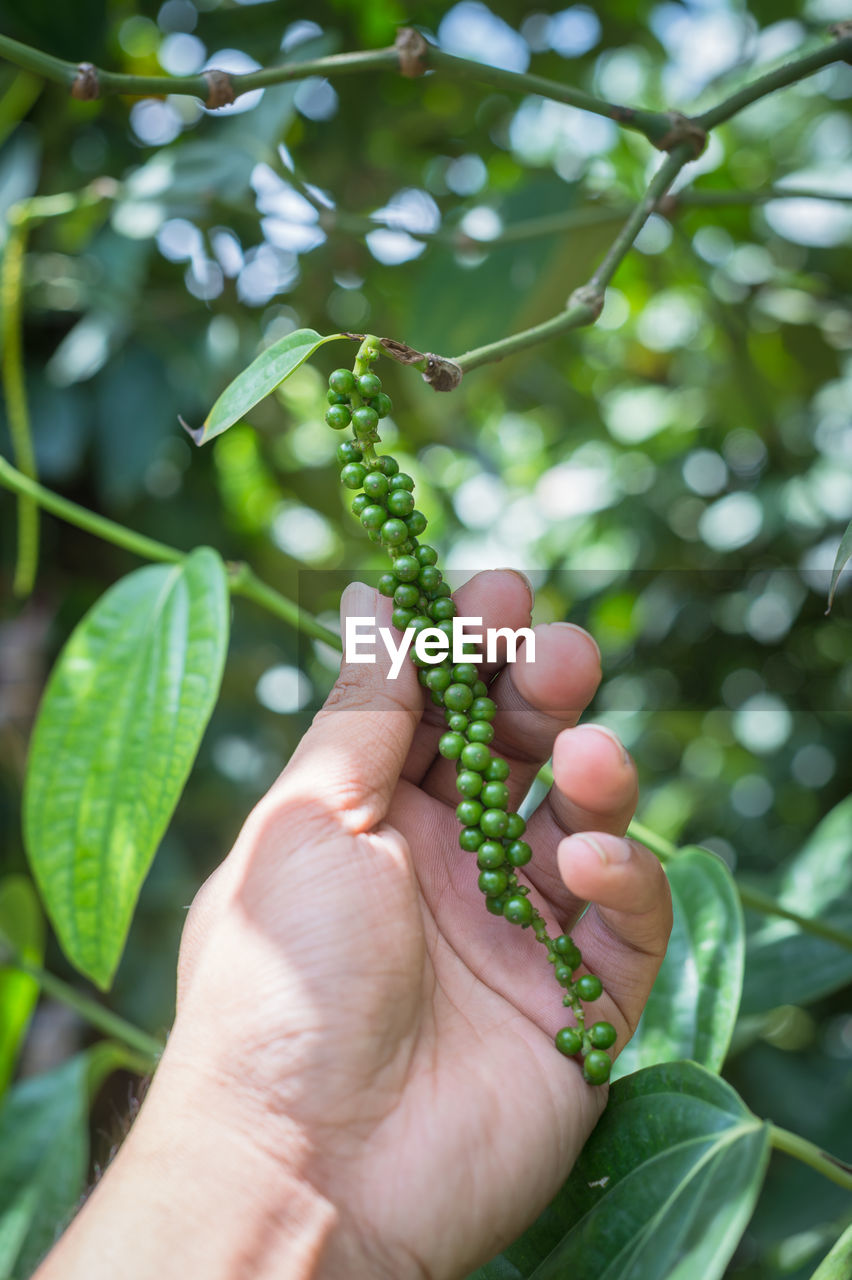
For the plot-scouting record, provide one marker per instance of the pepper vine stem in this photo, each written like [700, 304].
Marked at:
[809, 1153]
[242, 580]
[88, 1009]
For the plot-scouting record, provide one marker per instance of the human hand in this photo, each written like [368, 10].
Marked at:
[347, 1006]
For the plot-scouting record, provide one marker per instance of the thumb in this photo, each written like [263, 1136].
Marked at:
[350, 759]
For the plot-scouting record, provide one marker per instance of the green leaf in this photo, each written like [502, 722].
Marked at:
[817, 882]
[22, 927]
[844, 551]
[837, 1264]
[261, 378]
[117, 732]
[44, 1144]
[44, 1154]
[693, 1005]
[663, 1189]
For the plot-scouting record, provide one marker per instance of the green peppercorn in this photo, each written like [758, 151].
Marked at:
[443, 608]
[562, 974]
[334, 398]
[569, 951]
[353, 475]
[402, 481]
[338, 417]
[369, 384]
[468, 782]
[400, 503]
[490, 855]
[596, 1067]
[364, 419]
[387, 584]
[481, 731]
[446, 625]
[480, 689]
[427, 555]
[458, 697]
[465, 673]
[517, 910]
[457, 721]
[406, 596]
[518, 852]
[360, 504]
[470, 838]
[516, 826]
[493, 821]
[569, 1041]
[475, 756]
[376, 485]
[495, 795]
[420, 622]
[589, 987]
[498, 770]
[602, 1035]
[348, 451]
[493, 883]
[386, 464]
[382, 404]
[416, 523]
[469, 812]
[451, 745]
[401, 619]
[495, 905]
[483, 709]
[430, 578]
[393, 531]
[373, 517]
[406, 568]
[342, 381]
[438, 679]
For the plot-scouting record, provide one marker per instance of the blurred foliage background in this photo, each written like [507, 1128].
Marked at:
[676, 479]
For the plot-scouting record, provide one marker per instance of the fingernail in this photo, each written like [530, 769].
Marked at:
[614, 853]
[581, 632]
[358, 601]
[524, 579]
[613, 737]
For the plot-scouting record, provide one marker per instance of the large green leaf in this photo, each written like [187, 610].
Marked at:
[117, 732]
[663, 1190]
[261, 378]
[817, 883]
[837, 1264]
[693, 1006]
[44, 1152]
[22, 927]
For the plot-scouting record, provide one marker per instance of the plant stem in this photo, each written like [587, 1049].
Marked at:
[809, 1153]
[242, 580]
[584, 305]
[90, 1010]
[789, 73]
[657, 188]
[659, 845]
[762, 902]
[695, 198]
[15, 394]
[653, 124]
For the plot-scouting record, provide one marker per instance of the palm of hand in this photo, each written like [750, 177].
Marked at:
[404, 1031]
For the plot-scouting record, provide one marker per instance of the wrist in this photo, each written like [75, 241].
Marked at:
[190, 1195]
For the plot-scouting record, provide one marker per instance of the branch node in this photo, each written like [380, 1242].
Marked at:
[667, 205]
[590, 297]
[442, 374]
[683, 129]
[412, 49]
[843, 31]
[85, 86]
[220, 89]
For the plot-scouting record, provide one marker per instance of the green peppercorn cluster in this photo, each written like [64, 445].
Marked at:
[384, 503]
